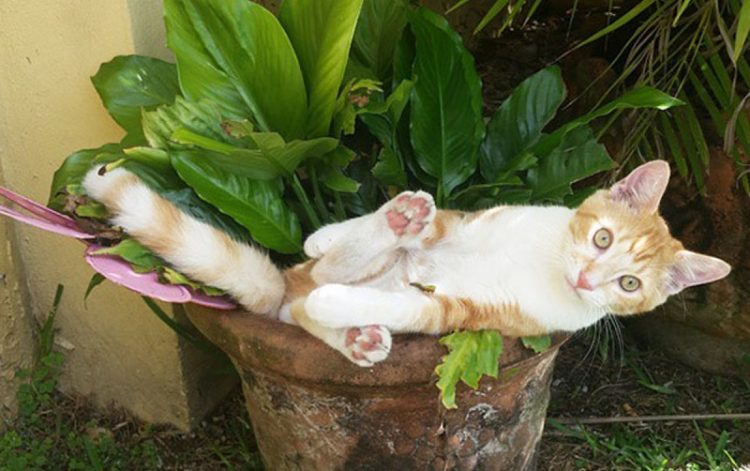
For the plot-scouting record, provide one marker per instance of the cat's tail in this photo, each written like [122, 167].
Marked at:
[196, 249]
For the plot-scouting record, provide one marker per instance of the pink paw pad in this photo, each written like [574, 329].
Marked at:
[410, 213]
[368, 345]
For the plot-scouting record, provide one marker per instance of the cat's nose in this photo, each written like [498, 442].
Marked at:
[582, 282]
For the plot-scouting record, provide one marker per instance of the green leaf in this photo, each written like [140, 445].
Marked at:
[578, 156]
[256, 205]
[129, 84]
[288, 156]
[202, 118]
[446, 112]
[743, 28]
[321, 32]
[394, 105]
[95, 281]
[249, 163]
[382, 120]
[133, 252]
[334, 179]
[389, 169]
[72, 171]
[492, 12]
[471, 355]
[643, 97]
[620, 22]
[539, 344]
[518, 123]
[236, 54]
[378, 31]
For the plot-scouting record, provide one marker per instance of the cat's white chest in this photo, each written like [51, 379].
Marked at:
[513, 257]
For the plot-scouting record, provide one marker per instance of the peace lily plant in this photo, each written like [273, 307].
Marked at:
[268, 127]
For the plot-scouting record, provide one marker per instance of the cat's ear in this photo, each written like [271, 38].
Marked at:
[644, 187]
[692, 269]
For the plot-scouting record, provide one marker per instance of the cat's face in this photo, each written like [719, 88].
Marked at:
[622, 257]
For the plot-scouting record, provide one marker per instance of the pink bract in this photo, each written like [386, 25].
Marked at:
[111, 267]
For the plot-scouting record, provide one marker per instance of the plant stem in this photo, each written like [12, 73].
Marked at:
[338, 207]
[305, 201]
[317, 196]
[439, 196]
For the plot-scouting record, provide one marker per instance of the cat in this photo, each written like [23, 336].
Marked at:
[409, 267]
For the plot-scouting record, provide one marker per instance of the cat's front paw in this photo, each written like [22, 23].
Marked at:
[320, 241]
[368, 345]
[409, 213]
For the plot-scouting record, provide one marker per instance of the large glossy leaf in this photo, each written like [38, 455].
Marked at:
[129, 84]
[321, 32]
[446, 112]
[643, 97]
[200, 76]
[577, 157]
[256, 205]
[378, 31]
[72, 171]
[471, 355]
[518, 123]
[239, 44]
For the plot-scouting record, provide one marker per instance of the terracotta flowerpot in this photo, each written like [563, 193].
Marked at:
[312, 409]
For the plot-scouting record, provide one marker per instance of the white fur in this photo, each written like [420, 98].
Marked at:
[513, 257]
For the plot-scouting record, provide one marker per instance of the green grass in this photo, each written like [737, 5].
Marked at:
[636, 382]
[57, 432]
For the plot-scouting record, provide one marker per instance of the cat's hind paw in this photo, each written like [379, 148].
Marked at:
[409, 213]
[368, 345]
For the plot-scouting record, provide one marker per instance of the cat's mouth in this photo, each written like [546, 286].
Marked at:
[573, 287]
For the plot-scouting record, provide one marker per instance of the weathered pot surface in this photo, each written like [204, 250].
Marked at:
[313, 409]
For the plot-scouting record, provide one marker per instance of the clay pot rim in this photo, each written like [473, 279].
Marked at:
[269, 346]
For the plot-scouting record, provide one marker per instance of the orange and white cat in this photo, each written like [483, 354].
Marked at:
[522, 270]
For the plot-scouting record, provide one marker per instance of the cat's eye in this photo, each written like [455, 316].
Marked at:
[629, 283]
[603, 238]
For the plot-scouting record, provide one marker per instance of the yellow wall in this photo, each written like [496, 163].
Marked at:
[116, 350]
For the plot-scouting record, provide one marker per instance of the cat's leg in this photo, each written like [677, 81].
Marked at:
[364, 346]
[320, 241]
[366, 246]
[340, 306]
[412, 310]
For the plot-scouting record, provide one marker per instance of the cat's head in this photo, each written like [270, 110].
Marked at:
[623, 258]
